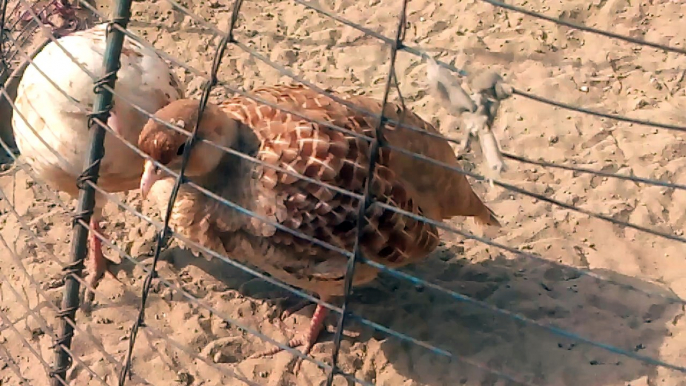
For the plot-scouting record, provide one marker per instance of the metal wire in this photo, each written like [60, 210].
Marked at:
[149, 330]
[269, 279]
[421, 53]
[584, 110]
[234, 204]
[581, 27]
[625, 177]
[376, 143]
[368, 199]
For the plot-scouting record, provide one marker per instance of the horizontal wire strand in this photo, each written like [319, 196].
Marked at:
[581, 27]
[44, 323]
[28, 345]
[156, 332]
[584, 110]
[420, 53]
[601, 173]
[297, 175]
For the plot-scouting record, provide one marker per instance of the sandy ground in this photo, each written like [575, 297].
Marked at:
[565, 65]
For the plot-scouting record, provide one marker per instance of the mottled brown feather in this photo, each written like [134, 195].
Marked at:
[339, 159]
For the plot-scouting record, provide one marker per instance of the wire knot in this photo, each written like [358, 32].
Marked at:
[88, 175]
[117, 20]
[54, 372]
[109, 77]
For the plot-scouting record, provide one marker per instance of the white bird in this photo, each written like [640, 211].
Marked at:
[51, 131]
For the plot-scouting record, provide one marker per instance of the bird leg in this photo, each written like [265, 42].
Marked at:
[100, 265]
[308, 339]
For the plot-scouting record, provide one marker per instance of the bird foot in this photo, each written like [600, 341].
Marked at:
[308, 339]
[99, 265]
[302, 303]
[308, 342]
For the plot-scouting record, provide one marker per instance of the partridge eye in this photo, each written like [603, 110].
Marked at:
[180, 150]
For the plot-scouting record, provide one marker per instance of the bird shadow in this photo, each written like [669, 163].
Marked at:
[637, 321]
[483, 343]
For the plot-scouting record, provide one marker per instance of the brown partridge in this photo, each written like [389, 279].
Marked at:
[289, 142]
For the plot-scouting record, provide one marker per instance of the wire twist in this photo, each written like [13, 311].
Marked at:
[376, 144]
[368, 198]
[164, 233]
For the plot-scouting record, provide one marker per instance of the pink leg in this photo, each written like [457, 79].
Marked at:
[308, 339]
[99, 263]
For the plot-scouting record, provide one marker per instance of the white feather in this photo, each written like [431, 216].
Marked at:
[51, 131]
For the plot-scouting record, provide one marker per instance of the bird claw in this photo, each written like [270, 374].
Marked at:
[308, 339]
[293, 343]
[302, 303]
[99, 267]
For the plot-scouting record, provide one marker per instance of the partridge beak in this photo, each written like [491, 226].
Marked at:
[151, 174]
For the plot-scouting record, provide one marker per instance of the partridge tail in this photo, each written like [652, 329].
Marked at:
[487, 218]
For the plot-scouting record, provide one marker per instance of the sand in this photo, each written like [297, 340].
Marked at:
[562, 64]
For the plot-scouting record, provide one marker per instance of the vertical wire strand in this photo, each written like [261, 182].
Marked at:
[165, 232]
[368, 199]
[86, 203]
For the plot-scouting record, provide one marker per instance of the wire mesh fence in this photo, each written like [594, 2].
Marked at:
[552, 297]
